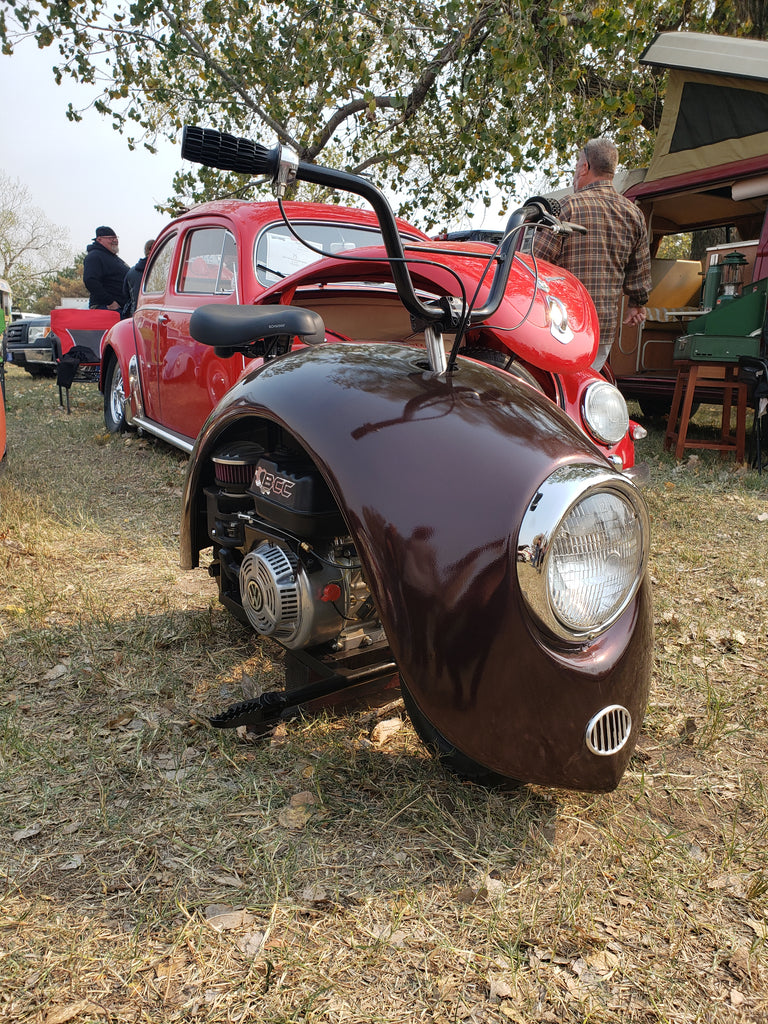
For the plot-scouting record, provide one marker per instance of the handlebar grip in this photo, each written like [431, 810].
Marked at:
[542, 205]
[228, 153]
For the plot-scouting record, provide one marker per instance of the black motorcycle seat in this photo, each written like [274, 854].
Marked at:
[225, 326]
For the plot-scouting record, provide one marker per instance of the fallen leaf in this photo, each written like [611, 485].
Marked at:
[56, 672]
[224, 918]
[499, 988]
[314, 893]
[169, 967]
[384, 731]
[176, 774]
[62, 1014]
[72, 863]
[120, 721]
[251, 943]
[295, 816]
[231, 880]
[507, 1010]
[384, 933]
[602, 961]
[303, 799]
[26, 833]
[466, 895]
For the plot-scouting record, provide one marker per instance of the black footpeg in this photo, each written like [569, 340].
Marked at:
[263, 711]
[322, 689]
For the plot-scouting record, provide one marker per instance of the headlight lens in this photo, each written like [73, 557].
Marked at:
[582, 550]
[595, 560]
[605, 412]
[37, 332]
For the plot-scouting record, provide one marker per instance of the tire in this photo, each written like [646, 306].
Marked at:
[114, 396]
[495, 358]
[449, 757]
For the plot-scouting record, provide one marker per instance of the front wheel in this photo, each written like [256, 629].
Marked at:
[114, 398]
[448, 755]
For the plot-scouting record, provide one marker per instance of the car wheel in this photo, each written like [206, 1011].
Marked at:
[493, 357]
[114, 398]
[448, 756]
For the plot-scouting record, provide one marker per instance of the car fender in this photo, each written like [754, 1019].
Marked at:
[119, 343]
[433, 477]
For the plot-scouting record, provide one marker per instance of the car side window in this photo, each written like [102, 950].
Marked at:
[209, 263]
[156, 278]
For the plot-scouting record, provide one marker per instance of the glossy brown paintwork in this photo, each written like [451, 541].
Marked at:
[433, 478]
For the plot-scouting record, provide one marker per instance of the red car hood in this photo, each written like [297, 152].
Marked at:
[522, 321]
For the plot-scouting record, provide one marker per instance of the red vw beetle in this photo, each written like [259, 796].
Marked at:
[157, 378]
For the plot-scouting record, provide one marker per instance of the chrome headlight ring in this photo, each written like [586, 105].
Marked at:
[582, 550]
[604, 412]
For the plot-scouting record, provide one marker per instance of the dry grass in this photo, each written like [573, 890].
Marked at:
[157, 871]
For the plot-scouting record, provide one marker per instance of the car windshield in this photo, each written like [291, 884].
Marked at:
[277, 253]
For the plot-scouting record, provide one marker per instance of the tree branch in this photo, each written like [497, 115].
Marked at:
[469, 37]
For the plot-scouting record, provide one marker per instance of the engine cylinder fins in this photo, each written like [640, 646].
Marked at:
[235, 465]
[270, 591]
[609, 730]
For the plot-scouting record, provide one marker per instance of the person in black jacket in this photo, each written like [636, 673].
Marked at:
[133, 280]
[104, 272]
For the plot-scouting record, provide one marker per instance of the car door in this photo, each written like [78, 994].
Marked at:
[191, 377]
[151, 310]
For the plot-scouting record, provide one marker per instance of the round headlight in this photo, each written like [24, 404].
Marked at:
[582, 550]
[594, 562]
[605, 412]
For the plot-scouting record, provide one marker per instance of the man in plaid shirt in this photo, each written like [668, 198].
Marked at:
[613, 256]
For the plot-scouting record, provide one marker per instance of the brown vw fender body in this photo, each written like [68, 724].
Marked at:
[433, 477]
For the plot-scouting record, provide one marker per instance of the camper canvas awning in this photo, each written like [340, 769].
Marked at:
[716, 104]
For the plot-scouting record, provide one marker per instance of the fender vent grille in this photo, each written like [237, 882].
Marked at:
[609, 730]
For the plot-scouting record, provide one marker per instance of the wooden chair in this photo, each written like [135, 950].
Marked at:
[720, 383]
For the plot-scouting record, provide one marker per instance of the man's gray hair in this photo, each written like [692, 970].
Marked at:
[602, 156]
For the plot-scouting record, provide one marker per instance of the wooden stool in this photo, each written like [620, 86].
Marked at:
[693, 376]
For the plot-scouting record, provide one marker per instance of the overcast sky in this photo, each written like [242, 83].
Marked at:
[80, 175]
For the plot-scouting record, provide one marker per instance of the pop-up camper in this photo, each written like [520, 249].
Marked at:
[709, 171]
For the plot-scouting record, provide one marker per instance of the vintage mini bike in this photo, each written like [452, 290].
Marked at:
[398, 514]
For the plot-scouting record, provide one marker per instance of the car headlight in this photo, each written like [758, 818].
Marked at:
[605, 412]
[582, 550]
[37, 332]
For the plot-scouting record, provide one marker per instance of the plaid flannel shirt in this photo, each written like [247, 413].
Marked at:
[613, 257]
